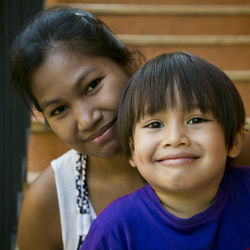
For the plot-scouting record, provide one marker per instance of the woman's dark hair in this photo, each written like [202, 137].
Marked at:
[198, 83]
[73, 29]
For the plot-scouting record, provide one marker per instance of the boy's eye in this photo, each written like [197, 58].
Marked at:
[155, 125]
[196, 120]
[93, 85]
[58, 110]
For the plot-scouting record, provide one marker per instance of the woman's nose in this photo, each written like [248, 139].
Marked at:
[86, 116]
[176, 135]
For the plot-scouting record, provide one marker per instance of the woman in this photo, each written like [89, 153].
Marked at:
[73, 69]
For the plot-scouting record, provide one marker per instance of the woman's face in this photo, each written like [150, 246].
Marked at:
[79, 97]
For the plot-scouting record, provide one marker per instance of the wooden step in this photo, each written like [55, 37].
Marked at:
[180, 40]
[164, 19]
[161, 10]
[221, 50]
[155, 2]
[225, 57]
[44, 146]
[244, 90]
[143, 24]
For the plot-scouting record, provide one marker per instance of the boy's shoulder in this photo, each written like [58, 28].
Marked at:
[118, 222]
[242, 172]
[240, 180]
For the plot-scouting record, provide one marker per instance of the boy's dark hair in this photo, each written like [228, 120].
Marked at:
[69, 28]
[199, 84]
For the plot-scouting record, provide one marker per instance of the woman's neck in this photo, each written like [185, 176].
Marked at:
[110, 178]
[116, 163]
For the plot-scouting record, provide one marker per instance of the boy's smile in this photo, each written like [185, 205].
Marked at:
[180, 152]
[176, 158]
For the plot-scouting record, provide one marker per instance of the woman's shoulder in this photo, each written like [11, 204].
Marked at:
[40, 212]
[42, 194]
[68, 158]
[43, 187]
[43, 191]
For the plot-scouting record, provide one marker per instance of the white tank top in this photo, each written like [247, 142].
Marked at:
[74, 225]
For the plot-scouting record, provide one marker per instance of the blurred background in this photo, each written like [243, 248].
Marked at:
[217, 30]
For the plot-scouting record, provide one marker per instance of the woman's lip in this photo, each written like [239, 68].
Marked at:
[102, 134]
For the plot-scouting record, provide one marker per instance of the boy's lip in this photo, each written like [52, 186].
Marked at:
[102, 133]
[178, 158]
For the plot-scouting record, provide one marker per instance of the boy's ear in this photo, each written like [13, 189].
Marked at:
[131, 159]
[235, 149]
[132, 162]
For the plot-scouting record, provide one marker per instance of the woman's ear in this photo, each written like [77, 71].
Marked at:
[235, 149]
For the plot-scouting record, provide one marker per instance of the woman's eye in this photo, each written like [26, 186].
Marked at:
[93, 85]
[155, 125]
[196, 120]
[58, 110]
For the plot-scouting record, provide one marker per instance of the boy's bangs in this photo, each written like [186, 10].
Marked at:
[170, 88]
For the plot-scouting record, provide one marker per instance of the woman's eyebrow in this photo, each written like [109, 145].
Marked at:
[45, 104]
[83, 76]
[76, 87]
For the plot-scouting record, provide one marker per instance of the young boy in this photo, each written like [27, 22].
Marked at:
[180, 121]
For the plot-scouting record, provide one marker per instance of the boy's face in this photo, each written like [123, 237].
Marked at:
[177, 151]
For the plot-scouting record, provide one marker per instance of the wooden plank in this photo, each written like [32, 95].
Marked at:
[193, 40]
[150, 9]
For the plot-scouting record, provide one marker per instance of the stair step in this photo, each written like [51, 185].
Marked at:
[44, 146]
[193, 40]
[155, 2]
[225, 57]
[239, 75]
[172, 24]
[218, 49]
[152, 9]
[169, 19]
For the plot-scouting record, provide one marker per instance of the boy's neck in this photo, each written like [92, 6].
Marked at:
[187, 204]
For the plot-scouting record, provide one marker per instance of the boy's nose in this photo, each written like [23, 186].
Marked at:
[175, 136]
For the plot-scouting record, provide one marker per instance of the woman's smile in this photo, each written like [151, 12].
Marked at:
[104, 134]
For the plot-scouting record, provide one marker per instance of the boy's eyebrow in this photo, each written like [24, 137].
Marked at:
[76, 86]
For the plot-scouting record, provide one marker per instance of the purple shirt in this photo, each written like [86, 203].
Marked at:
[138, 221]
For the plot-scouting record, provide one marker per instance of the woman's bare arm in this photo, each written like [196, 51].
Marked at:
[39, 224]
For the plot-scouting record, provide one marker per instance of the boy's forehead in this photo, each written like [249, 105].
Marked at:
[171, 100]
